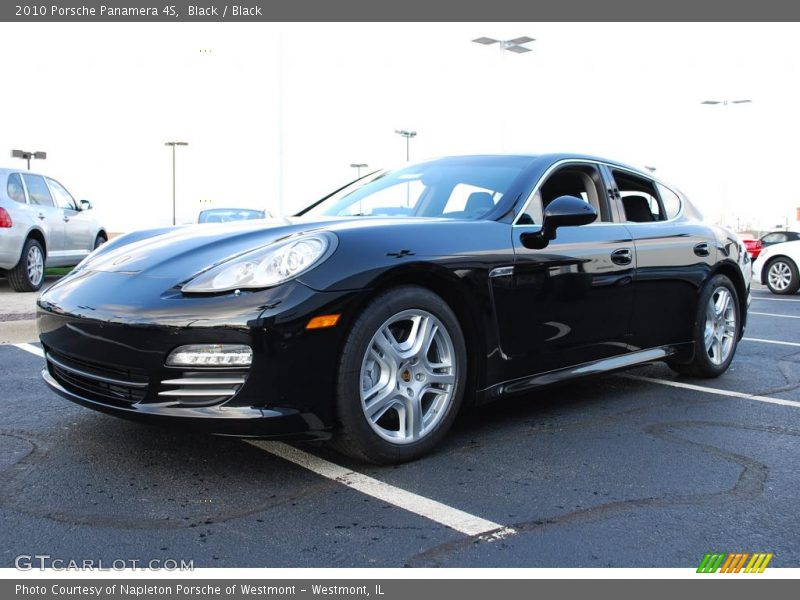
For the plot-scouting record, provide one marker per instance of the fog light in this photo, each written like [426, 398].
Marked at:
[211, 355]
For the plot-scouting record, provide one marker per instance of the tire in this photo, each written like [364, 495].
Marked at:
[28, 275]
[383, 383]
[715, 336]
[782, 277]
[99, 241]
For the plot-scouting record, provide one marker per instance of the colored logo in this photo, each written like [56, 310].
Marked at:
[735, 562]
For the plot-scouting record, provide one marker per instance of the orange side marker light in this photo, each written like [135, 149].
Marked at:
[323, 321]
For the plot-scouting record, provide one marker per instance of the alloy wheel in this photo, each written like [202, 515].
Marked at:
[779, 275]
[408, 376]
[35, 265]
[720, 327]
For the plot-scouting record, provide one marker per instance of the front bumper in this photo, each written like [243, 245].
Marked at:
[240, 421]
[110, 356]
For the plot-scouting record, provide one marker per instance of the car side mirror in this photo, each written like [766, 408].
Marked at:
[85, 205]
[564, 211]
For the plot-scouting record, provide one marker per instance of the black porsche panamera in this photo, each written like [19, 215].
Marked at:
[373, 316]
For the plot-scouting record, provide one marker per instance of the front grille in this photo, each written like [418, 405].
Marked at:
[98, 381]
[202, 388]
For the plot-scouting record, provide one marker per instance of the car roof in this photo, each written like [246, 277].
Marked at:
[6, 170]
[551, 157]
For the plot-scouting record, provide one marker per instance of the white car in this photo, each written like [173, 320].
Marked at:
[776, 267]
[41, 225]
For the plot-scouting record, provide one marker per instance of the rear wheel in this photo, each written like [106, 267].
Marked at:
[782, 276]
[716, 330]
[28, 275]
[99, 240]
[401, 377]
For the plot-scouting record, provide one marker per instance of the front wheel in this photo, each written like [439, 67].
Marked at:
[782, 276]
[401, 377]
[716, 330]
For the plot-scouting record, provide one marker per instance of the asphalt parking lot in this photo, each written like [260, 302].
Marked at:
[632, 470]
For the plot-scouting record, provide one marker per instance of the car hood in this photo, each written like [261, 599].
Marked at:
[181, 253]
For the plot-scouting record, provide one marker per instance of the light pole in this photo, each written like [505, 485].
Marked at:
[408, 135]
[28, 155]
[174, 144]
[359, 166]
[517, 46]
[725, 104]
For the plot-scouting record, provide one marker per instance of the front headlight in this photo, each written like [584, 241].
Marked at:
[264, 267]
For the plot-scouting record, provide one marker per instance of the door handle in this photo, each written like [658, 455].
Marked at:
[623, 256]
[702, 249]
[66, 218]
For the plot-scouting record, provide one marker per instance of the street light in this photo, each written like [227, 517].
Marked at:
[359, 166]
[649, 168]
[28, 155]
[173, 144]
[516, 45]
[724, 104]
[408, 135]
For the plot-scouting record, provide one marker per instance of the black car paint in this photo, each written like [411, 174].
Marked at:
[128, 309]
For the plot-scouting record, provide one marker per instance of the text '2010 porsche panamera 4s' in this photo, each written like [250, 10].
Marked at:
[373, 316]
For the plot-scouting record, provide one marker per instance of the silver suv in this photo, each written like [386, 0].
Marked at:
[41, 226]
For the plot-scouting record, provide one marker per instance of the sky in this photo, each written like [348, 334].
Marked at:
[275, 111]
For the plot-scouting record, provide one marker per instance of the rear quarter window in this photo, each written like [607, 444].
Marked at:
[670, 201]
[14, 188]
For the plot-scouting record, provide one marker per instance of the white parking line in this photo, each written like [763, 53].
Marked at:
[751, 312]
[776, 299]
[762, 341]
[30, 348]
[710, 390]
[454, 518]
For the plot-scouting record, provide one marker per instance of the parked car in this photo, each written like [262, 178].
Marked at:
[223, 215]
[776, 267]
[752, 245]
[778, 237]
[374, 315]
[41, 226]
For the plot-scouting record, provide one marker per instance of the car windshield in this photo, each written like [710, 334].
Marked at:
[223, 215]
[455, 188]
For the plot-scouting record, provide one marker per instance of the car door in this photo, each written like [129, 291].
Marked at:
[78, 226]
[569, 303]
[674, 258]
[48, 215]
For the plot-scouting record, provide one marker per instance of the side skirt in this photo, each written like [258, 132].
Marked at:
[598, 367]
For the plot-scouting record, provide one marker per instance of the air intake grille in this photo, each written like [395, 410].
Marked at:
[98, 381]
[202, 388]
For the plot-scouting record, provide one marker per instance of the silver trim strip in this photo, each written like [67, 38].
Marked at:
[112, 381]
[604, 365]
[198, 393]
[205, 381]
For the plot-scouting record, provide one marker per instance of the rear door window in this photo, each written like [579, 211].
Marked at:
[38, 192]
[640, 201]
